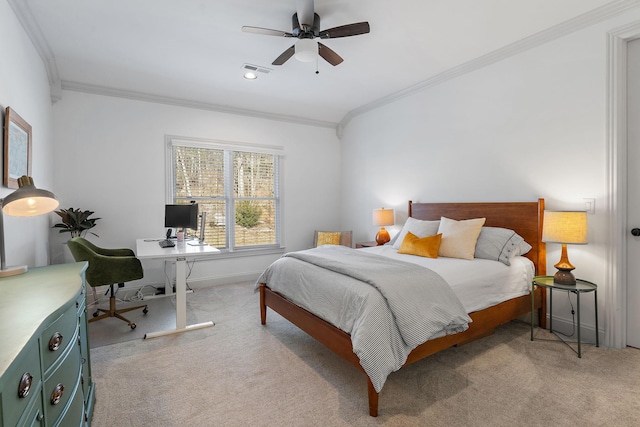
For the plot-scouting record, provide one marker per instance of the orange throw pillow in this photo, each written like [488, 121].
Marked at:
[328, 238]
[422, 246]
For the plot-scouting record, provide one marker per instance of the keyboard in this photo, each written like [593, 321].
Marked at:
[166, 243]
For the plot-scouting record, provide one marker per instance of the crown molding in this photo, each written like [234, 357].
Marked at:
[552, 33]
[158, 99]
[25, 17]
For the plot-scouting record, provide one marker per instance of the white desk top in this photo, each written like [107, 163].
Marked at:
[150, 248]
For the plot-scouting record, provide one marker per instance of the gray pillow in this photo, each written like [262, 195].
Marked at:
[500, 244]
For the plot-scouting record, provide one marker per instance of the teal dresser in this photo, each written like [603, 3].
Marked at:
[45, 368]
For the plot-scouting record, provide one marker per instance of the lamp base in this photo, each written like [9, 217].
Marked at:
[564, 277]
[13, 271]
[382, 237]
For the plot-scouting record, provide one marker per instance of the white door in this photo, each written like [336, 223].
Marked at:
[633, 194]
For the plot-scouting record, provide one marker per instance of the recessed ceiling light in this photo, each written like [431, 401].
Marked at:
[250, 72]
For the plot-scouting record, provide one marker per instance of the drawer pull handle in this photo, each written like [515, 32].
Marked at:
[55, 342]
[56, 395]
[25, 385]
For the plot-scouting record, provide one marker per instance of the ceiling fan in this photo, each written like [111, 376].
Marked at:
[306, 28]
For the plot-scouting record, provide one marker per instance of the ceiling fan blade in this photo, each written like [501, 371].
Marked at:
[266, 31]
[305, 11]
[329, 55]
[284, 56]
[345, 30]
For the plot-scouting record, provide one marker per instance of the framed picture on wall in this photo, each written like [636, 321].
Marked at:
[17, 148]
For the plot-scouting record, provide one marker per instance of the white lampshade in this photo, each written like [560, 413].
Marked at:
[565, 227]
[382, 217]
[306, 50]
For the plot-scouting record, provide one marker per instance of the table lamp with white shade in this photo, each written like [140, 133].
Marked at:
[27, 200]
[566, 227]
[382, 217]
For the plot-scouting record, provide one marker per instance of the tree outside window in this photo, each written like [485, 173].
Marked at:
[229, 182]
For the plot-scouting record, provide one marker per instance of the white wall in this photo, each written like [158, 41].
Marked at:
[529, 126]
[24, 87]
[110, 158]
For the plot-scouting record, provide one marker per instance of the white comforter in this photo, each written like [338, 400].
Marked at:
[358, 308]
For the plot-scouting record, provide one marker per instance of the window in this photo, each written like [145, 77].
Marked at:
[228, 181]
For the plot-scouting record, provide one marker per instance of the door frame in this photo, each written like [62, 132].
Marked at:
[615, 307]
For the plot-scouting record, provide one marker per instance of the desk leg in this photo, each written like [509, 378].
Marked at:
[168, 286]
[181, 304]
[181, 293]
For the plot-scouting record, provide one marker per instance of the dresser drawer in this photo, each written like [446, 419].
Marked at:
[61, 386]
[58, 336]
[22, 384]
[34, 417]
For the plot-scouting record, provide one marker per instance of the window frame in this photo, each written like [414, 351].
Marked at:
[229, 148]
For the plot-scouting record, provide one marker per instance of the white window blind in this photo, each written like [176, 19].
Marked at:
[237, 185]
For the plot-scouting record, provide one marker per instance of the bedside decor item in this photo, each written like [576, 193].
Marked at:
[76, 222]
[565, 227]
[27, 200]
[17, 148]
[581, 286]
[382, 217]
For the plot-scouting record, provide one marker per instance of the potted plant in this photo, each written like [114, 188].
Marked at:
[76, 222]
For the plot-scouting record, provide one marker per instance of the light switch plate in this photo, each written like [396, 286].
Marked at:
[590, 205]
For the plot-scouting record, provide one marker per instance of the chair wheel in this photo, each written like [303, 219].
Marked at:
[133, 325]
[145, 310]
[95, 313]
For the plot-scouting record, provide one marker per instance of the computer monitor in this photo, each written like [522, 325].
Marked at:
[181, 216]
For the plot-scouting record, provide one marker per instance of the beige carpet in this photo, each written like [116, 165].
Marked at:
[239, 373]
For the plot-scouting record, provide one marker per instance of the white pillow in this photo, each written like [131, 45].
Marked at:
[418, 227]
[459, 237]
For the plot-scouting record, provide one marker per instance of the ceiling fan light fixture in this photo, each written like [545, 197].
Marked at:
[306, 50]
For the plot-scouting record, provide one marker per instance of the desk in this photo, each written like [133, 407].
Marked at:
[180, 253]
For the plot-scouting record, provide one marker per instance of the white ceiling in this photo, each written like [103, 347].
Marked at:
[193, 51]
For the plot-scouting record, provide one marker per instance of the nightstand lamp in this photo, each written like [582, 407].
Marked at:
[27, 200]
[565, 228]
[382, 217]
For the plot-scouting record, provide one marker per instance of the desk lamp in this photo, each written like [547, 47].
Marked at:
[27, 200]
[382, 217]
[565, 228]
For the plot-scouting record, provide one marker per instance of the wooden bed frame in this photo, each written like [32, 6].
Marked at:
[523, 217]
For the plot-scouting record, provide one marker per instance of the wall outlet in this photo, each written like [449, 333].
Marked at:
[590, 205]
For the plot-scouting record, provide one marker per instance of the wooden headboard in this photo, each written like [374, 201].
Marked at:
[525, 218]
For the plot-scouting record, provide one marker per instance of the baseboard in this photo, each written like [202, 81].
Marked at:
[565, 327]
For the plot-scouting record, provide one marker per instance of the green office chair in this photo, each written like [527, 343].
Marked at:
[108, 267]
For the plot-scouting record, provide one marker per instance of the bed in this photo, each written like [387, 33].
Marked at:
[525, 218]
